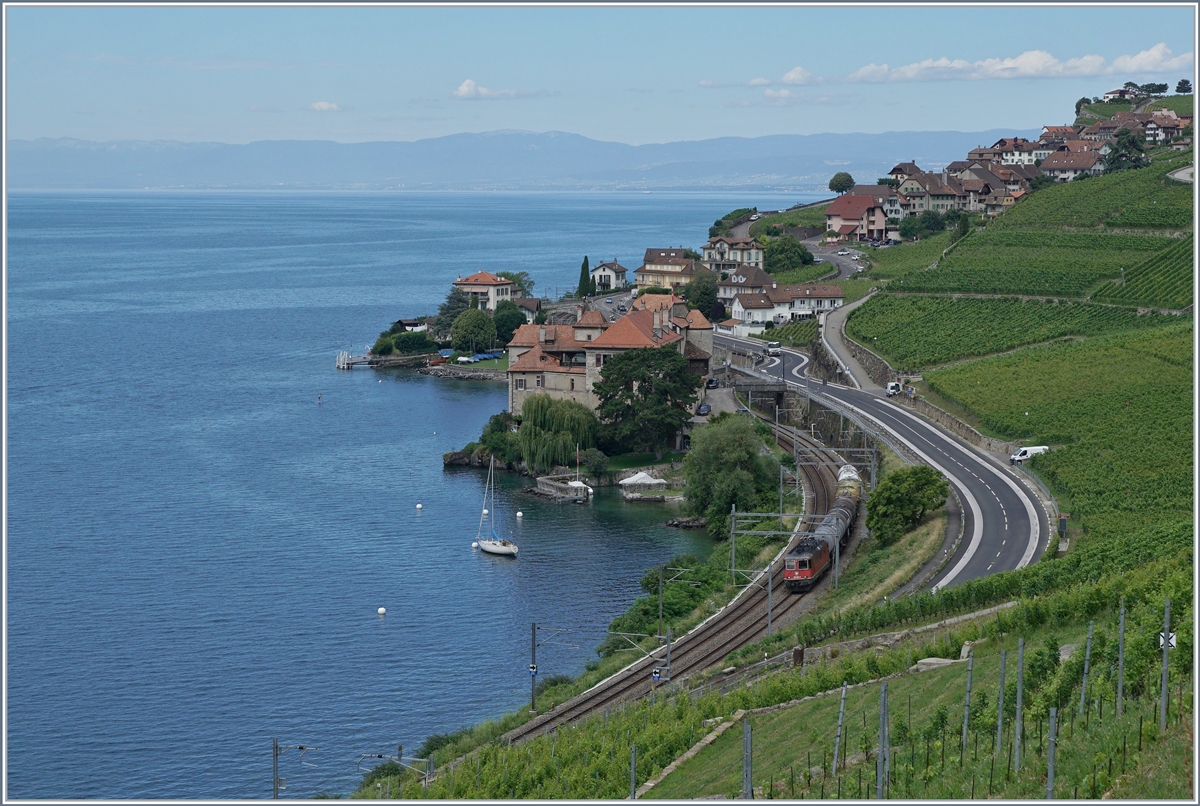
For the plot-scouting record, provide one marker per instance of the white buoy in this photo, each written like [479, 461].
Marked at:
[485, 511]
[520, 514]
[382, 611]
[474, 545]
[419, 506]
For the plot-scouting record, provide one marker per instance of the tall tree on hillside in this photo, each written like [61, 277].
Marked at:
[841, 182]
[585, 278]
[646, 396]
[784, 254]
[724, 467]
[1127, 153]
[701, 292]
[717, 312]
[1154, 89]
[900, 501]
[473, 330]
[456, 302]
[1080, 104]
[1184, 87]
[508, 317]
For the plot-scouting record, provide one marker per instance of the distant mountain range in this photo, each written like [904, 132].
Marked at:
[493, 160]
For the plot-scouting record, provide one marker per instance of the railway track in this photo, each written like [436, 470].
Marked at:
[739, 623]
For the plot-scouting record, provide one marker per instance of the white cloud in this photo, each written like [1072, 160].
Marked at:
[469, 90]
[758, 82]
[778, 94]
[324, 106]
[1030, 64]
[797, 75]
[1157, 59]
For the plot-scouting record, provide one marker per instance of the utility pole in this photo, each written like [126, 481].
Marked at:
[967, 707]
[837, 740]
[278, 783]
[1166, 644]
[1121, 663]
[1000, 705]
[660, 586]
[1018, 723]
[733, 543]
[533, 670]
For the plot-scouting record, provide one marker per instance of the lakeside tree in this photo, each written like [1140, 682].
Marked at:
[1184, 87]
[508, 318]
[552, 430]
[473, 330]
[784, 254]
[585, 279]
[522, 280]
[701, 292]
[723, 468]
[646, 396]
[841, 182]
[900, 501]
[456, 302]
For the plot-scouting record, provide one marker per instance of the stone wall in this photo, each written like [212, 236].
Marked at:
[956, 426]
[877, 369]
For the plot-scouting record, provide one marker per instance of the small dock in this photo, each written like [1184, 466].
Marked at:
[347, 361]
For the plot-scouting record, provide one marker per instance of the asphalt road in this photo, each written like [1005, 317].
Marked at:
[1006, 526]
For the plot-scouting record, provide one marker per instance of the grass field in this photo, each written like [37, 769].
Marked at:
[806, 274]
[915, 332]
[631, 460]
[1121, 408]
[805, 217]
[1182, 104]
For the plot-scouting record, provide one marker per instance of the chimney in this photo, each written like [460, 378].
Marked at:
[542, 335]
[657, 330]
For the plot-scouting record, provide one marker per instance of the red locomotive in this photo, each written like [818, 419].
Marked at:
[812, 556]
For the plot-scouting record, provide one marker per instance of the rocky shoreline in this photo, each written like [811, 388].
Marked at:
[462, 373]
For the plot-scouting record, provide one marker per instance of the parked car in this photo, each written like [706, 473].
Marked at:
[743, 410]
[755, 217]
[711, 383]
[608, 301]
[703, 409]
[843, 251]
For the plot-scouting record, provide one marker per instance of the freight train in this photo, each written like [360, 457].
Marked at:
[813, 555]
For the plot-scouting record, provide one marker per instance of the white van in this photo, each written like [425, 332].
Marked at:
[773, 348]
[1025, 453]
[893, 388]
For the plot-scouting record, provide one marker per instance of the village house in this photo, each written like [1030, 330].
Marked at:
[855, 218]
[1123, 94]
[745, 280]
[486, 290]
[1063, 166]
[566, 361]
[665, 268]
[1055, 134]
[530, 306]
[608, 276]
[724, 255]
[904, 170]
[779, 305]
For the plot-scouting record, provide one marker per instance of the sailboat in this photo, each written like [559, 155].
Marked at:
[492, 545]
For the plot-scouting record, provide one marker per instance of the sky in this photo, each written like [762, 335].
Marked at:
[632, 74]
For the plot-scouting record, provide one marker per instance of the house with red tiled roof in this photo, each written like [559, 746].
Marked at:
[855, 218]
[608, 276]
[486, 290]
[1063, 166]
[744, 280]
[566, 361]
[725, 254]
[781, 304]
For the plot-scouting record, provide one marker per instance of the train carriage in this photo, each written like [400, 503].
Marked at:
[808, 561]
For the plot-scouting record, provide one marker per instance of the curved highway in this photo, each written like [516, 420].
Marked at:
[1005, 525]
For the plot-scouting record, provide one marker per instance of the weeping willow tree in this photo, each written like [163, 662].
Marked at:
[552, 429]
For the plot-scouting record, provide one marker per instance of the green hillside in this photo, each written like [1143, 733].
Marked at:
[1061, 240]
[1121, 408]
[1181, 104]
[1163, 281]
[914, 332]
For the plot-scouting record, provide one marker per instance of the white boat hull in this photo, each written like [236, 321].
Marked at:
[499, 547]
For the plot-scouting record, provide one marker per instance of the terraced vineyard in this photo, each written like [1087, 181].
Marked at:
[792, 334]
[1095, 201]
[1121, 407]
[804, 217]
[1033, 261]
[1163, 281]
[905, 258]
[915, 332]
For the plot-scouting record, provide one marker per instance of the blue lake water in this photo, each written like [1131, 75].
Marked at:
[196, 549]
